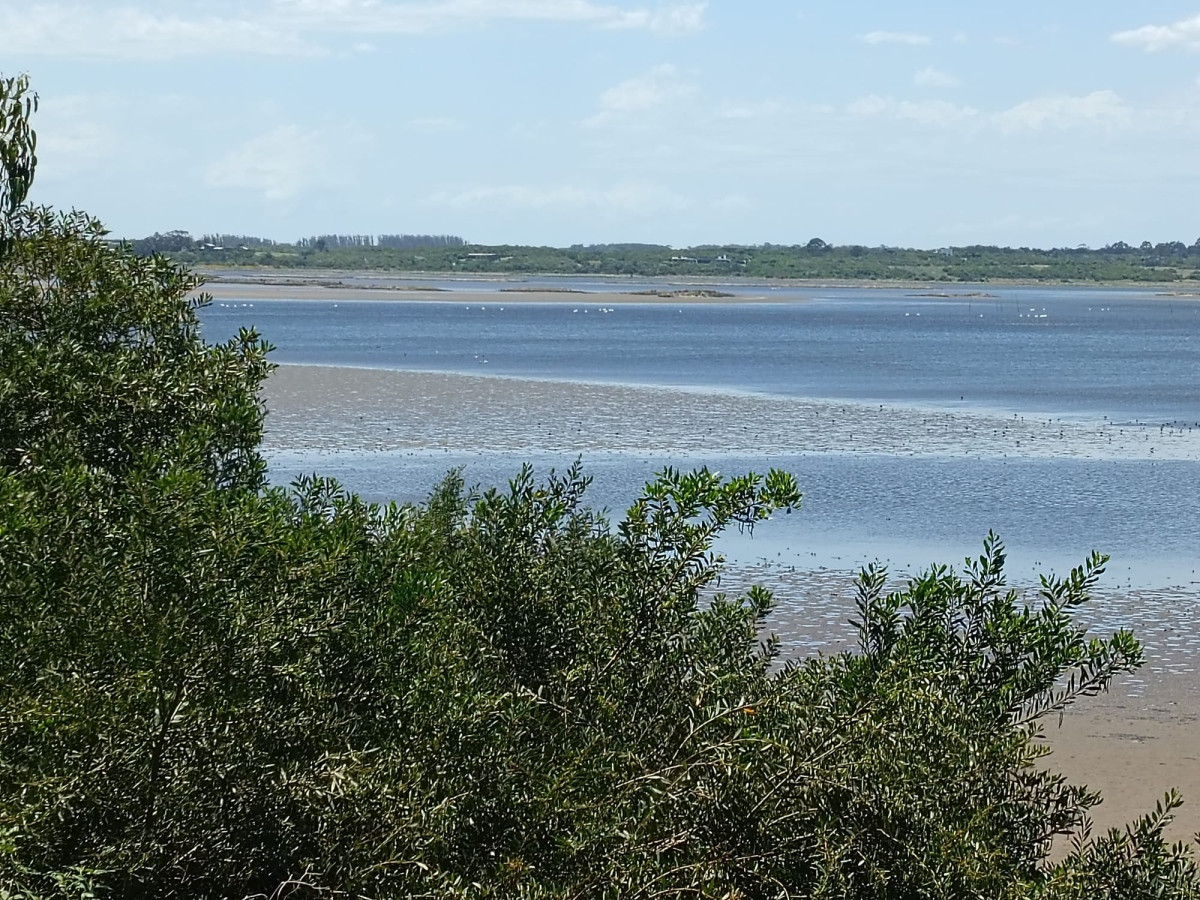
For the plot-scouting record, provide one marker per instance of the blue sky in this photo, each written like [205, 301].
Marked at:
[555, 122]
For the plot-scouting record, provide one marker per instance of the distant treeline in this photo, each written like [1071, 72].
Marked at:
[182, 242]
[1164, 262]
[391, 241]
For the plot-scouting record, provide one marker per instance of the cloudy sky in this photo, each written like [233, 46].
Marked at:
[1047, 123]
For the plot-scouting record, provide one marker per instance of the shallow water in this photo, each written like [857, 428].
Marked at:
[1120, 356]
[1065, 419]
[908, 513]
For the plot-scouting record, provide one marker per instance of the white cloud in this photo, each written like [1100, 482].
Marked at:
[85, 31]
[174, 28]
[650, 90]
[923, 112]
[660, 85]
[896, 37]
[279, 164]
[673, 20]
[1058, 111]
[1184, 33]
[75, 134]
[934, 112]
[871, 105]
[931, 77]
[1064, 111]
[379, 16]
[627, 198]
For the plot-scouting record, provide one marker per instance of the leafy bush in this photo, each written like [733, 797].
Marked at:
[213, 688]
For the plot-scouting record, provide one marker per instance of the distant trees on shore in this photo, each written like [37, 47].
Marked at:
[1167, 261]
[181, 242]
[388, 241]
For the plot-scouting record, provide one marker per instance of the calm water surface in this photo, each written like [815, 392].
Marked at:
[1122, 356]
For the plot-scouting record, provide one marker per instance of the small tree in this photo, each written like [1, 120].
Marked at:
[18, 142]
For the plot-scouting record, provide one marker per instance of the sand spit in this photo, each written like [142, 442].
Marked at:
[328, 408]
[338, 292]
[946, 295]
[269, 275]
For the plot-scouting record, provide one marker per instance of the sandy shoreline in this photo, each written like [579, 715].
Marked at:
[1132, 744]
[280, 284]
[267, 286]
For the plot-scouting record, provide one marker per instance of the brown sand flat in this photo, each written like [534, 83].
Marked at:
[1133, 751]
[1132, 744]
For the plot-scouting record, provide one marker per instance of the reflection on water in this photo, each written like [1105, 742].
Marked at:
[906, 512]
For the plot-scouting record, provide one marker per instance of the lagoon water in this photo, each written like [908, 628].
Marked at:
[1129, 355]
[1123, 363]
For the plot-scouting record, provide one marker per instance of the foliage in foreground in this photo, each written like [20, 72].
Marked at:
[212, 688]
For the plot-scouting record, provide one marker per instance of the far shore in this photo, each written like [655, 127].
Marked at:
[366, 284]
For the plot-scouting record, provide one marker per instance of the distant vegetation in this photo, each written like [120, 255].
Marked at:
[248, 248]
[1172, 261]
[333, 242]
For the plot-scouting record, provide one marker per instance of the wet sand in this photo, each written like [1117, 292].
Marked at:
[1132, 744]
[327, 408]
[345, 293]
[280, 282]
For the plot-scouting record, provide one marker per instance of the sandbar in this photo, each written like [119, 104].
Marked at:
[333, 408]
[346, 293]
